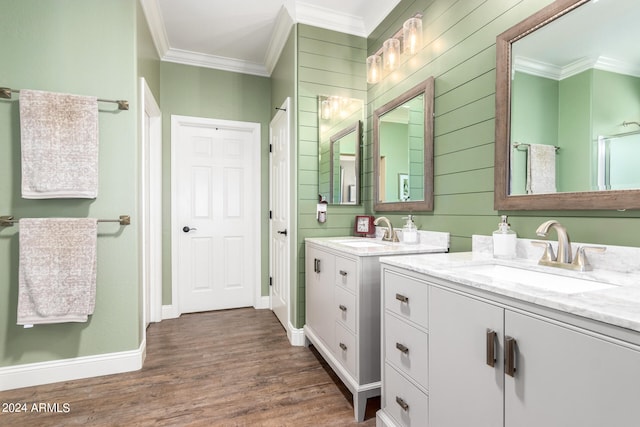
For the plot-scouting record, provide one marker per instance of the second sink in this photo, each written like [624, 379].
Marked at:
[536, 279]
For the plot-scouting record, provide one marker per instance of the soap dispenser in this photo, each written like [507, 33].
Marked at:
[410, 231]
[504, 240]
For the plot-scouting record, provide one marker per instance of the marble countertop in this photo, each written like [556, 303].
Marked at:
[439, 242]
[618, 305]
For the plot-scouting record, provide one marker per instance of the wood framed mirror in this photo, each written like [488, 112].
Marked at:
[403, 151]
[566, 77]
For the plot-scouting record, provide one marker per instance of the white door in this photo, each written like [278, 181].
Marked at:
[280, 230]
[151, 205]
[216, 201]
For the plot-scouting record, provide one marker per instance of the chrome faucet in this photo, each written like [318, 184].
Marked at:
[564, 258]
[390, 234]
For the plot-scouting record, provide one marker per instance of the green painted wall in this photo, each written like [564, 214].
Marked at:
[459, 51]
[333, 64]
[203, 92]
[148, 59]
[86, 48]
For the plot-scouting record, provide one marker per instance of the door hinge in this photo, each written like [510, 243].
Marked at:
[271, 148]
[270, 214]
[270, 281]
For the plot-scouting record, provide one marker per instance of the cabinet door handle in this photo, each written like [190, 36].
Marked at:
[343, 273]
[403, 348]
[510, 356]
[343, 347]
[491, 347]
[404, 405]
[402, 298]
[316, 265]
[342, 307]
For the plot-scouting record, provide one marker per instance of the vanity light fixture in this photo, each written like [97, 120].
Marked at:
[407, 40]
[325, 109]
[391, 54]
[374, 69]
[412, 35]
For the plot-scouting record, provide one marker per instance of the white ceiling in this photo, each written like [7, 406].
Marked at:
[248, 35]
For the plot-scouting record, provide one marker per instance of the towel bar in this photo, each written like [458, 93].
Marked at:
[8, 221]
[5, 93]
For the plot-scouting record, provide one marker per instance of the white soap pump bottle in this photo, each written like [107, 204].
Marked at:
[410, 231]
[504, 240]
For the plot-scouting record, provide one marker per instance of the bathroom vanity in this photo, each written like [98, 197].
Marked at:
[470, 340]
[343, 305]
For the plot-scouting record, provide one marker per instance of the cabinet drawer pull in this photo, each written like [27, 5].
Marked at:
[404, 405]
[316, 265]
[343, 347]
[343, 273]
[491, 348]
[342, 307]
[402, 348]
[510, 356]
[402, 298]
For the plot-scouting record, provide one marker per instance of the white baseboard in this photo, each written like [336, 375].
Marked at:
[296, 336]
[170, 312]
[33, 374]
[263, 302]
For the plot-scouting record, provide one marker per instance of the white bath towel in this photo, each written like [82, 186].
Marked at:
[57, 272]
[59, 137]
[541, 169]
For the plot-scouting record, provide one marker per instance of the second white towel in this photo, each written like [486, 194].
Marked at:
[57, 272]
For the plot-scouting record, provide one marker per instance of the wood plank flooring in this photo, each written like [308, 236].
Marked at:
[223, 368]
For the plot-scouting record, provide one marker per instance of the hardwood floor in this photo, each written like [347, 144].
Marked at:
[223, 368]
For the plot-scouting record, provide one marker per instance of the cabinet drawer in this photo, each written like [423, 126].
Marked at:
[345, 308]
[407, 348]
[399, 392]
[346, 273]
[345, 348]
[406, 297]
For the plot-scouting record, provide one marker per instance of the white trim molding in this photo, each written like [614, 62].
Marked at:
[153, 13]
[296, 336]
[33, 374]
[216, 62]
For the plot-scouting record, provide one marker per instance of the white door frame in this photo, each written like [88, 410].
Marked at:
[256, 253]
[150, 206]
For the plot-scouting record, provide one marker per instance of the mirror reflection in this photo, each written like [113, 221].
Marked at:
[403, 151]
[340, 141]
[401, 133]
[575, 102]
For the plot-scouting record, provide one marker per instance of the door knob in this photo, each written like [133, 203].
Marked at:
[283, 232]
[186, 229]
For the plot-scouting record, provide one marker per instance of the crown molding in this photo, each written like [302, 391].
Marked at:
[326, 18]
[283, 26]
[186, 57]
[152, 12]
[550, 71]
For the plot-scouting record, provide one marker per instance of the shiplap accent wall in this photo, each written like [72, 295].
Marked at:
[459, 51]
[329, 63]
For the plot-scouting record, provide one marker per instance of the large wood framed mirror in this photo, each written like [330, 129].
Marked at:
[403, 151]
[568, 108]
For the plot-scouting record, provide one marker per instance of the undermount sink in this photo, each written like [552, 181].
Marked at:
[536, 279]
[360, 243]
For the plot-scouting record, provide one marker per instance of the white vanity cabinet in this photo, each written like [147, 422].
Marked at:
[342, 305]
[496, 362]
[343, 318]
[562, 375]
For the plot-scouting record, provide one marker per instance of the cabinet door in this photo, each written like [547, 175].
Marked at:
[463, 390]
[320, 270]
[568, 378]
